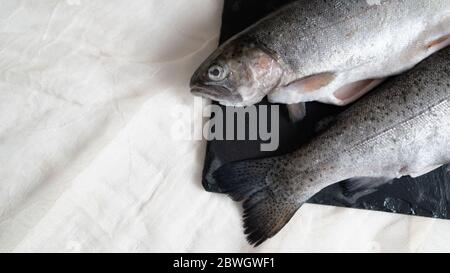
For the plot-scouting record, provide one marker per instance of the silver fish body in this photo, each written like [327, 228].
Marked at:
[330, 51]
[402, 128]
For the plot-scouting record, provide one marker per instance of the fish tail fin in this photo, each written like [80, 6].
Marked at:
[242, 179]
[266, 210]
[265, 216]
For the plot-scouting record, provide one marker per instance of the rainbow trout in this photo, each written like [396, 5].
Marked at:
[400, 129]
[331, 51]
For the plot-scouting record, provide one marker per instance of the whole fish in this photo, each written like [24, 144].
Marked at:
[331, 51]
[402, 128]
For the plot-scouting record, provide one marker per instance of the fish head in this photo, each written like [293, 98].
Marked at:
[237, 74]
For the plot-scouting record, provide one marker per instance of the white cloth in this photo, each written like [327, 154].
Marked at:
[88, 161]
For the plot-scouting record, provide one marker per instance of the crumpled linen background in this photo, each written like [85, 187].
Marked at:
[88, 158]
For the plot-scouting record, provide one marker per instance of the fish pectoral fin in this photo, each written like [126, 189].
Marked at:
[266, 212]
[293, 92]
[364, 183]
[312, 83]
[353, 91]
[297, 111]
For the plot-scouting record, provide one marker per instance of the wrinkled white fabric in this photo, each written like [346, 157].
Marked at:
[88, 160]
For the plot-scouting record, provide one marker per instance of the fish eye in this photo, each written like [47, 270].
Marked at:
[217, 73]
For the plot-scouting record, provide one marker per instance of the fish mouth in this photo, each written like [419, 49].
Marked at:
[217, 93]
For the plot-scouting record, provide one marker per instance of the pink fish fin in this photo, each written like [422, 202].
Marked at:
[291, 92]
[311, 83]
[353, 91]
[439, 43]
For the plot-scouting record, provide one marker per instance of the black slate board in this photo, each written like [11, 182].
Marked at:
[427, 196]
